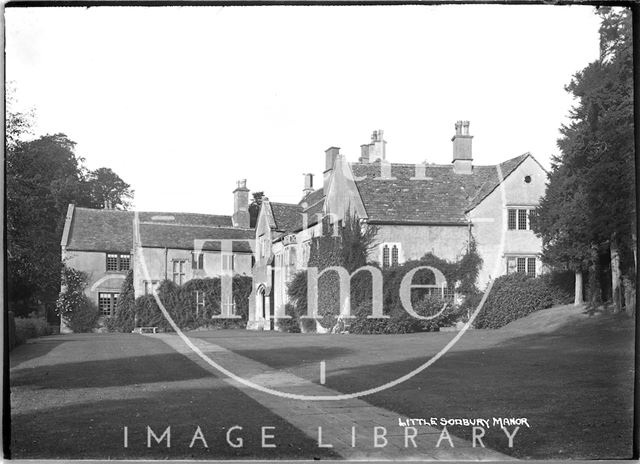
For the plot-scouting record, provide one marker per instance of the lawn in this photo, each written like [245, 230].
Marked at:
[573, 382]
[73, 394]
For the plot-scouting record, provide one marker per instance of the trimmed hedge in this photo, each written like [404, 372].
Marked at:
[517, 295]
[180, 303]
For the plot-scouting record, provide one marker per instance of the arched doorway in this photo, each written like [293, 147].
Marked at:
[263, 308]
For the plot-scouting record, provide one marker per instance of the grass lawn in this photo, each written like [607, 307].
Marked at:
[573, 382]
[71, 396]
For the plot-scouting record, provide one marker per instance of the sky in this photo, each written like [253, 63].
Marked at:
[183, 101]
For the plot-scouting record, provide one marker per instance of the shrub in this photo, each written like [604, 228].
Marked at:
[289, 325]
[517, 295]
[124, 319]
[400, 321]
[30, 327]
[79, 313]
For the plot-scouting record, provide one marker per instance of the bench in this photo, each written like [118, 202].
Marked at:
[143, 330]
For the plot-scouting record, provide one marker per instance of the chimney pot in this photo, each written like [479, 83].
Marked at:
[462, 153]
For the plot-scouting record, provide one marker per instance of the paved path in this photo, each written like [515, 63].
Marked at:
[336, 418]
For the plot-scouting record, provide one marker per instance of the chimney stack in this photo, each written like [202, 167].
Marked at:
[308, 184]
[462, 155]
[240, 216]
[330, 156]
[376, 150]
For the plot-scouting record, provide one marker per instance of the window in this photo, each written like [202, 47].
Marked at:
[385, 256]
[107, 303]
[178, 271]
[229, 302]
[118, 261]
[525, 264]
[197, 260]
[512, 219]
[518, 219]
[150, 286]
[227, 262]
[390, 254]
[199, 302]
[522, 219]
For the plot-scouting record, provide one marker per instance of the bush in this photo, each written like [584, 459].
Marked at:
[79, 313]
[517, 295]
[289, 325]
[400, 321]
[124, 319]
[30, 327]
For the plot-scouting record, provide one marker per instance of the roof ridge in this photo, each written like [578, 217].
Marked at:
[180, 224]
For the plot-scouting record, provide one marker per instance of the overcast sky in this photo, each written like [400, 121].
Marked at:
[183, 101]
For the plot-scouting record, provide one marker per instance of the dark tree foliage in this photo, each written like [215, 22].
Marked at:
[589, 206]
[43, 176]
[254, 208]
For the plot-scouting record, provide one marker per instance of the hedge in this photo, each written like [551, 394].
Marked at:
[517, 295]
[180, 303]
[400, 321]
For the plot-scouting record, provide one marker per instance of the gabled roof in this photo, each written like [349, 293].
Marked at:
[287, 216]
[441, 197]
[313, 205]
[99, 230]
[105, 230]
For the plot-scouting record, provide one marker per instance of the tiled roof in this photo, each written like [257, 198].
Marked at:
[287, 216]
[441, 197]
[314, 206]
[181, 236]
[112, 230]
[101, 230]
[212, 220]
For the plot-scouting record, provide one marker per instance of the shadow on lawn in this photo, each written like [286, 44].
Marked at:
[168, 367]
[28, 351]
[282, 358]
[96, 429]
[575, 386]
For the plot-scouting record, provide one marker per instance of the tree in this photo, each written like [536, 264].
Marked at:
[107, 189]
[17, 123]
[43, 176]
[254, 208]
[590, 199]
[563, 223]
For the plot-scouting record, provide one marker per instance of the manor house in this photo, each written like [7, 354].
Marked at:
[417, 209]
[106, 243]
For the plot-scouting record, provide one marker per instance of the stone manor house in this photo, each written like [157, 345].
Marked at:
[417, 209]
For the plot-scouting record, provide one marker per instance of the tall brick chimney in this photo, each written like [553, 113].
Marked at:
[330, 159]
[462, 159]
[240, 216]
